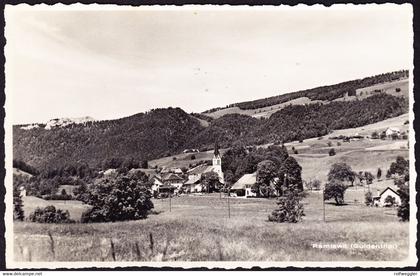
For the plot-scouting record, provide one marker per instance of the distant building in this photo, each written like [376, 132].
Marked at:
[243, 186]
[392, 131]
[174, 180]
[380, 199]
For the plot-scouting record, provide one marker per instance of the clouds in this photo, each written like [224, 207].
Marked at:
[108, 64]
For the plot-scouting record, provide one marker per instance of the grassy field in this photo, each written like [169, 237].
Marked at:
[197, 228]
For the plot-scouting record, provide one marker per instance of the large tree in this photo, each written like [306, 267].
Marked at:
[210, 182]
[266, 172]
[118, 198]
[341, 172]
[290, 174]
[335, 189]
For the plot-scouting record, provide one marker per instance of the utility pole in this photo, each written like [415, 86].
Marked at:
[170, 203]
[323, 203]
[229, 203]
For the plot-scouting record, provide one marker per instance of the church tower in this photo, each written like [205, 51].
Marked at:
[217, 163]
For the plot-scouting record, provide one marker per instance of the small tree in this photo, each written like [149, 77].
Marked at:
[192, 157]
[374, 135]
[18, 213]
[368, 199]
[369, 178]
[331, 152]
[335, 189]
[329, 143]
[289, 208]
[316, 184]
[379, 174]
[404, 209]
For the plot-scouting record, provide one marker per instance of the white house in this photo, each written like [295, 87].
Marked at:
[243, 186]
[380, 199]
[391, 131]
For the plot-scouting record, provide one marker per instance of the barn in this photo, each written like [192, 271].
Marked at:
[243, 186]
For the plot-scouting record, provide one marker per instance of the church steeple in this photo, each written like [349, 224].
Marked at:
[216, 150]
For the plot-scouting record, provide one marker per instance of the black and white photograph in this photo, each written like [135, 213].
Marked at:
[209, 136]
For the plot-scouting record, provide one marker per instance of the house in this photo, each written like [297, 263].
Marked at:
[392, 131]
[173, 180]
[157, 183]
[243, 186]
[193, 185]
[381, 199]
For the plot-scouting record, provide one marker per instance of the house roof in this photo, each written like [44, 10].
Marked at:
[200, 169]
[172, 176]
[388, 188]
[244, 180]
[192, 179]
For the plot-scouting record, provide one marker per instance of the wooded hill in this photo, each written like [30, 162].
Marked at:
[168, 131]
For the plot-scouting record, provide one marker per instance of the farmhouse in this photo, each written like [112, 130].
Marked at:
[382, 201]
[174, 180]
[243, 186]
[392, 131]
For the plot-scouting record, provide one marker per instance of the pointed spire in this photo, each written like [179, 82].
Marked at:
[216, 149]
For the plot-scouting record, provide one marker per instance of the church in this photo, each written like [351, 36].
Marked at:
[194, 175]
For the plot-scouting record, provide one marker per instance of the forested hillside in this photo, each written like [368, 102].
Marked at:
[328, 93]
[168, 131]
[142, 136]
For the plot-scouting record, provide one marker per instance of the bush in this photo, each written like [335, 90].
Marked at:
[17, 204]
[50, 214]
[331, 152]
[397, 89]
[389, 201]
[368, 199]
[289, 207]
[404, 209]
[193, 157]
[329, 143]
[374, 135]
[338, 144]
[57, 197]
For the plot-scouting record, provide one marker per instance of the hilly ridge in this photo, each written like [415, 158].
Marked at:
[167, 131]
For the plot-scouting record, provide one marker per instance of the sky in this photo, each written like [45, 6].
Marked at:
[109, 63]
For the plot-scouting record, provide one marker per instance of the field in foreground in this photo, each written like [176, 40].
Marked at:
[198, 229]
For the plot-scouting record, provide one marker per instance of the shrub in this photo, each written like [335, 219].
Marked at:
[397, 89]
[331, 152]
[389, 201]
[368, 199]
[173, 158]
[329, 143]
[374, 135]
[404, 209]
[193, 157]
[338, 144]
[50, 214]
[17, 204]
[289, 209]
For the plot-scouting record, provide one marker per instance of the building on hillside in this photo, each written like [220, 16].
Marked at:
[392, 131]
[243, 187]
[22, 191]
[382, 201]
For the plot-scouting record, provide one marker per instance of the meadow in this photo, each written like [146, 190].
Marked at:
[198, 228]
